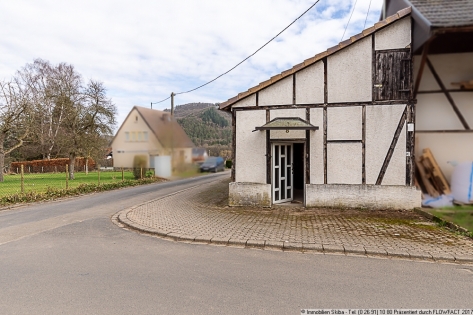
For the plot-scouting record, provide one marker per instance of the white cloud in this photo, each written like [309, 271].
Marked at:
[142, 50]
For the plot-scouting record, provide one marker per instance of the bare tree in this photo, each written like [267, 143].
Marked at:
[49, 85]
[90, 119]
[64, 117]
[15, 116]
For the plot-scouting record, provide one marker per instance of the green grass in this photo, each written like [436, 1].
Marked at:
[40, 183]
[462, 216]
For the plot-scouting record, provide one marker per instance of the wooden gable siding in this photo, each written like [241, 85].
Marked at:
[393, 75]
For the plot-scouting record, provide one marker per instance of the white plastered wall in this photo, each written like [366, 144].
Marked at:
[381, 125]
[344, 163]
[124, 151]
[394, 36]
[317, 147]
[434, 112]
[349, 73]
[344, 123]
[464, 102]
[450, 68]
[290, 112]
[310, 84]
[280, 93]
[250, 164]
[396, 171]
[246, 102]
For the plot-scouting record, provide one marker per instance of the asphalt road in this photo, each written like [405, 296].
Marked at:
[67, 257]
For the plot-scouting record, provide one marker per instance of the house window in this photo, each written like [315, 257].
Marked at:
[140, 136]
[145, 136]
[133, 136]
[127, 136]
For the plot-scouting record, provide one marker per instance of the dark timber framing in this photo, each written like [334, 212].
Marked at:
[307, 150]
[387, 159]
[233, 144]
[363, 144]
[410, 121]
[445, 131]
[447, 95]
[425, 51]
[440, 91]
[321, 105]
[325, 119]
[294, 89]
[268, 151]
[344, 141]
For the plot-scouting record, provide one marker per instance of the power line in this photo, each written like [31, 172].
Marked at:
[369, 6]
[349, 20]
[161, 100]
[245, 58]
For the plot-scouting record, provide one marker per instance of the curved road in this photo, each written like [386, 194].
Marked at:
[67, 257]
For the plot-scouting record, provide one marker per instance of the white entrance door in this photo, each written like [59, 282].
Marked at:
[282, 173]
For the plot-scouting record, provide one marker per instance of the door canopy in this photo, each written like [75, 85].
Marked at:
[289, 123]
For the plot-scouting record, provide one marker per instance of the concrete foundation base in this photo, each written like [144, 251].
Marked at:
[249, 194]
[363, 196]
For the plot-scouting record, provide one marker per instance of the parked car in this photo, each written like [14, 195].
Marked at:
[213, 164]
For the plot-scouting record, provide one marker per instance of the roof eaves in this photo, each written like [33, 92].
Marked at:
[379, 25]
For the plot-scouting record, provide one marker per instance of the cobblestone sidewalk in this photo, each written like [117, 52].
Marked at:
[201, 215]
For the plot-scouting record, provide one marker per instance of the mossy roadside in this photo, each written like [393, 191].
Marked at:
[386, 220]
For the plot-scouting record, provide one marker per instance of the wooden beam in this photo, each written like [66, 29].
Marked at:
[321, 105]
[440, 91]
[307, 148]
[410, 146]
[387, 159]
[363, 145]
[325, 60]
[373, 68]
[344, 141]
[445, 131]
[268, 150]
[294, 89]
[430, 189]
[233, 145]
[425, 50]
[449, 97]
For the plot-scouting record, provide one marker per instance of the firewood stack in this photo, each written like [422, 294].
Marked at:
[429, 176]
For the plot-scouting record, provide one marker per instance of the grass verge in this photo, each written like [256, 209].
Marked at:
[52, 193]
[461, 216]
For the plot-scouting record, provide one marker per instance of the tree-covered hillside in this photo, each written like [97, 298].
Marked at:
[207, 127]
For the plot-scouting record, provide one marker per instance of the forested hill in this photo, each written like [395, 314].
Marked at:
[205, 124]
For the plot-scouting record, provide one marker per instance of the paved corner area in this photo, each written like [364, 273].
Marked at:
[200, 214]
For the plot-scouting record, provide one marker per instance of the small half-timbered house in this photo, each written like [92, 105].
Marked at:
[333, 131]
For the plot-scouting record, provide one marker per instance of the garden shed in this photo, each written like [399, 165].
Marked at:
[336, 130]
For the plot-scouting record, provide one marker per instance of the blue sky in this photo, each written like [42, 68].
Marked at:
[143, 50]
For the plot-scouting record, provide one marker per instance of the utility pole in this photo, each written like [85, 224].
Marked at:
[172, 131]
[151, 105]
[172, 104]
